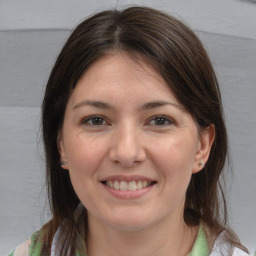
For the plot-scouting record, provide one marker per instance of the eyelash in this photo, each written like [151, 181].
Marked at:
[92, 120]
[161, 118]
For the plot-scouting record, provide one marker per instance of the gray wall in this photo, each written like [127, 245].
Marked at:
[31, 34]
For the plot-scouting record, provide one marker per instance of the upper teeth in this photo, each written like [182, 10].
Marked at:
[131, 186]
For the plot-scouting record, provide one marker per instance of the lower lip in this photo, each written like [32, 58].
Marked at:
[127, 194]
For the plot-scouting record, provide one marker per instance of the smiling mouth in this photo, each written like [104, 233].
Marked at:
[128, 186]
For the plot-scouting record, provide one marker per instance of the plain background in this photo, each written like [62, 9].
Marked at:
[32, 33]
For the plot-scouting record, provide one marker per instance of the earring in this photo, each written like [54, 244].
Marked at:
[63, 162]
[201, 163]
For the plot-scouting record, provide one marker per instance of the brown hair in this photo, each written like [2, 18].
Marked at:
[179, 57]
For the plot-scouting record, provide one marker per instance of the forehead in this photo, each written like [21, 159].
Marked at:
[119, 73]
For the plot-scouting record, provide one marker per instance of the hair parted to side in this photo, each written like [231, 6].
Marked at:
[179, 57]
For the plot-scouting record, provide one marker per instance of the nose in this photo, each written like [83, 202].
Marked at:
[127, 147]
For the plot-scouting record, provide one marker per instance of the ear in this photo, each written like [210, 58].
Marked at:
[205, 141]
[61, 149]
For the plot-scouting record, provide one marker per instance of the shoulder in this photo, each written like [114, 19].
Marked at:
[222, 247]
[239, 252]
[31, 247]
[22, 249]
[223, 251]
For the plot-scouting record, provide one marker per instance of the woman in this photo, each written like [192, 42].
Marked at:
[135, 143]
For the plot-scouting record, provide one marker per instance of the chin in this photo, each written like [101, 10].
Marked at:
[130, 222]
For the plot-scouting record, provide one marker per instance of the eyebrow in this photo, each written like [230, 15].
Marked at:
[145, 106]
[156, 104]
[96, 104]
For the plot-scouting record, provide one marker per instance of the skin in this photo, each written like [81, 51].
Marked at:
[121, 135]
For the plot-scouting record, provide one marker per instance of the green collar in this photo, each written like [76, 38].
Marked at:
[200, 247]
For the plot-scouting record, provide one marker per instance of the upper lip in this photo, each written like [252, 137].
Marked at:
[126, 178]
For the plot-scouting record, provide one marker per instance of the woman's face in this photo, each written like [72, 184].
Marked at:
[130, 146]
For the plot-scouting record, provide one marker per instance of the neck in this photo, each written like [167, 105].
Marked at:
[161, 239]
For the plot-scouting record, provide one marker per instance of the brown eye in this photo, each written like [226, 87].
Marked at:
[94, 120]
[160, 121]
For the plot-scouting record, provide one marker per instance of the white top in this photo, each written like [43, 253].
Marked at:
[221, 248]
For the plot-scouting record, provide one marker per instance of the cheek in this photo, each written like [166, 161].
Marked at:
[174, 159]
[174, 152]
[174, 162]
[84, 159]
[84, 154]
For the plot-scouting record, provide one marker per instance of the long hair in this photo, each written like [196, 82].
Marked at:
[176, 53]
